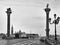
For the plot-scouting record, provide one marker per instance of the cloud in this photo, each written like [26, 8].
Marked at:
[36, 3]
[27, 14]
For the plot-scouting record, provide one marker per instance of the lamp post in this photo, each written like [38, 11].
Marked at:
[55, 26]
[47, 10]
[8, 21]
[55, 22]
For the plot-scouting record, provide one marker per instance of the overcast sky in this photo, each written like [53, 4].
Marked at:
[28, 15]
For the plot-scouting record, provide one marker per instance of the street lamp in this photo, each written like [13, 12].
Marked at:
[55, 21]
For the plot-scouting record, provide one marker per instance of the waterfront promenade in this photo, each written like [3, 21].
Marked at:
[24, 42]
[20, 42]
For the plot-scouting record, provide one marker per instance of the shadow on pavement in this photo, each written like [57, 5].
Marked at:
[47, 43]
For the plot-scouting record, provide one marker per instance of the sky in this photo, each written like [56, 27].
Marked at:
[29, 15]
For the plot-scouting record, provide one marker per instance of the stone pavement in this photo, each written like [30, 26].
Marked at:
[10, 42]
[19, 42]
[23, 42]
[29, 42]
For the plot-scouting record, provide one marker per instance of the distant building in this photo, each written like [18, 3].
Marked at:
[16, 35]
[32, 36]
[12, 30]
[24, 35]
[2, 34]
[19, 32]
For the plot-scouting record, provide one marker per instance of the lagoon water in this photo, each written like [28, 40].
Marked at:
[10, 42]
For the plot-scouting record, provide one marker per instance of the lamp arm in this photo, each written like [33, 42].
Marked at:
[51, 23]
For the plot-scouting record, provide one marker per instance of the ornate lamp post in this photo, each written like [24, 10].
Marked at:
[8, 21]
[47, 10]
[55, 21]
